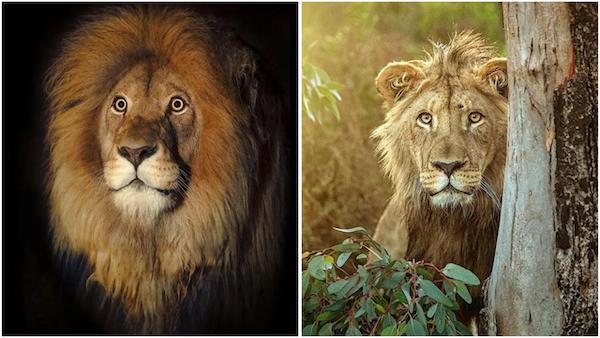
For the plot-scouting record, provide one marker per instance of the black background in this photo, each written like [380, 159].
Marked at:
[34, 300]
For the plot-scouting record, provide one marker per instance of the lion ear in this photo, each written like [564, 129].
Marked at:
[396, 79]
[495, 72]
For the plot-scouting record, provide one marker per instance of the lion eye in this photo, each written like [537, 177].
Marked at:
[425, 118]
[177, 104]
[475, 117]
[119, 105]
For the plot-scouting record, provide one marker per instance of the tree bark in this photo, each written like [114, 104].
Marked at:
[576, 185]
[544, 279]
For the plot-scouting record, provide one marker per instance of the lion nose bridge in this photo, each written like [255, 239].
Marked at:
[137, 141]
[448, 157]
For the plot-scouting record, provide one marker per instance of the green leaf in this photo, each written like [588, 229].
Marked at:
[393, 280]
[401, 297]
[359, 313]
[342, 258]
[359, 284]
[337, 306]
[381, 251]
[388, 320]
[305, 282]
[349, 285]
[401, 329]
[311, 304]
[337, 286]
[379, 308]
[421, 315]
[440, 319]
[350, 247]
[307, 330]
[356, 230]
[424, 272]
[432, 310]
[389, 331]
[316, 267]
[461, 328]
[459, 273]
[325, 316]
[362, 258]
[432, 291]
[353, 331]
[463, 291]
[369, 309]
[326, 330]
[415, 328]
[406, 290]
[334, 86]
[450, 329]
[450, 290]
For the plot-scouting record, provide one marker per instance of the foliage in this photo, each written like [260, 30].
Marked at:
[319, 93]
[344, 293]
[342, 184]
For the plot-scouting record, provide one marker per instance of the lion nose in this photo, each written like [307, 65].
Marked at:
[448, 167]
[137, 155]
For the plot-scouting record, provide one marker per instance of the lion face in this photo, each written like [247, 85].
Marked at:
[448, 123]
[452, 136]
[148, 131]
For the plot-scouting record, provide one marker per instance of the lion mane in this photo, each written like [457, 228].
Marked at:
[211, 263]
[464, 72]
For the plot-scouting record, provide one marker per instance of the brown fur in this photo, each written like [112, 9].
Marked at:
[456, 80]
[221, 242]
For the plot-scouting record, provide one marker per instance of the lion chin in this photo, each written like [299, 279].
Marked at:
[139, 201]
[450, 197]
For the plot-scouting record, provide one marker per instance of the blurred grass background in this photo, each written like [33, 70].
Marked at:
[342, 185]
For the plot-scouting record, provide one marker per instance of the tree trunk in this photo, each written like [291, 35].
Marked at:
[544, 279]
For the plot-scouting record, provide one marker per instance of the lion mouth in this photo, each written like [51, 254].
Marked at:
[139, 185]
[450, 189]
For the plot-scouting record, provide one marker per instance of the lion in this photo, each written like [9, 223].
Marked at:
[167, 173]
[443, 145]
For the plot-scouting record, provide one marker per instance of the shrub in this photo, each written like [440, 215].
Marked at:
[344, 292]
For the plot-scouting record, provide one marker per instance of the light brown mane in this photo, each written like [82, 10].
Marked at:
[213, 233]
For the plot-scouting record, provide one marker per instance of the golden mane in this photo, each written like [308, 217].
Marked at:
[466, 50]
[227, 232]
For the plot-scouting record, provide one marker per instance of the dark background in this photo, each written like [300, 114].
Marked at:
[34, 299]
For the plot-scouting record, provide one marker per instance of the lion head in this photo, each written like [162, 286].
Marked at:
[165, 165]
[444, 134]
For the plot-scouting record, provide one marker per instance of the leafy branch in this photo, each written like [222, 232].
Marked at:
[319, 93]
[344, 292]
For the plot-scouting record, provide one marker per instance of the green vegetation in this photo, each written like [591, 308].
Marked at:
[344, 293]
[319, 93]
[351, 42]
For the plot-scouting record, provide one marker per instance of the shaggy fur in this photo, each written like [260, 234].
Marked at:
[455, 81]
[209, 263]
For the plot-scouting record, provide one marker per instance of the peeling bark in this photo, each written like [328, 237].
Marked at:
[544, 279]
